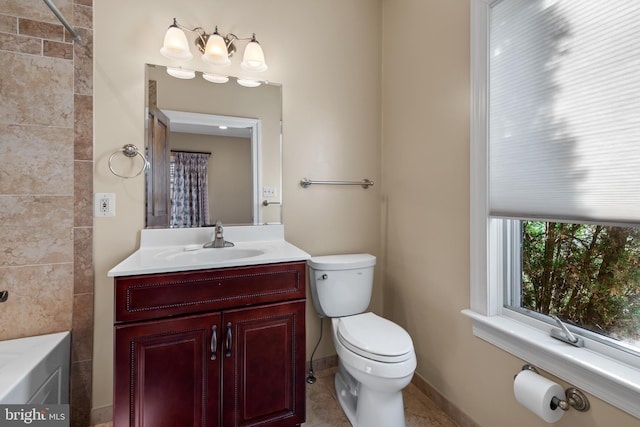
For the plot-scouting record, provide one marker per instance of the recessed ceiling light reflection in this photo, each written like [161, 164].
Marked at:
[215, 78]
[181, 73]
[249, 83]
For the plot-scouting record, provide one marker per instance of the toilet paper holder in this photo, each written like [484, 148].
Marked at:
[576, 398]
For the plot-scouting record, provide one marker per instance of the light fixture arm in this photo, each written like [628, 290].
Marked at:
[232, 37]
[198, 30]
[202, 36]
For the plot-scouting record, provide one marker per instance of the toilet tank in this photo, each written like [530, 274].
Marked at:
[341, 285]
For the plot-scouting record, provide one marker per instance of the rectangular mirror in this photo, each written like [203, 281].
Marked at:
[215, 152]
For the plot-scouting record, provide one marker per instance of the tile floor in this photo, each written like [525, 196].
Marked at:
[323, 409]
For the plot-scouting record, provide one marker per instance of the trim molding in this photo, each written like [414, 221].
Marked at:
[324, 363]
[442, 402]
[101, 415]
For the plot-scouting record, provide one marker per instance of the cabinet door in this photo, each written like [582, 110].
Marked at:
[167, 373]
[263, 365]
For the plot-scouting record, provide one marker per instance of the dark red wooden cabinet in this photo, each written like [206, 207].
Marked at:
[222, 347]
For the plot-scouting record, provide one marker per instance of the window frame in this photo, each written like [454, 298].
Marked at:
[609, 374]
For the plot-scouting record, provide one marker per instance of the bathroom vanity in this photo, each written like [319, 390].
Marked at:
[217, 346]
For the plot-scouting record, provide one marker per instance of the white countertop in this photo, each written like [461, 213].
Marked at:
[170, 250]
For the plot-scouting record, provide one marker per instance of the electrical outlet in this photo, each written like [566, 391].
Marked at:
[268, 192]
[105, 204]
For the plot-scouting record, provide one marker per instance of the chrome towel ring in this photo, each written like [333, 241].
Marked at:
[129, 150]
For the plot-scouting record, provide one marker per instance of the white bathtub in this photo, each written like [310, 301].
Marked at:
[35, 370]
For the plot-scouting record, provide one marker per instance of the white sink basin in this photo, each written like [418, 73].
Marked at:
[210, 255]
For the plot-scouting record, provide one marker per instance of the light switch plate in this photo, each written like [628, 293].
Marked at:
[268, 192]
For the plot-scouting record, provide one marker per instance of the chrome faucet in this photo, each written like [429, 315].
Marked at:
[218, 240]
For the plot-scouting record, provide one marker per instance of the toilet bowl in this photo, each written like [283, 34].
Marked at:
[376, 358]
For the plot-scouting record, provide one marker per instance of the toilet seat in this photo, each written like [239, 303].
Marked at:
[375, 338]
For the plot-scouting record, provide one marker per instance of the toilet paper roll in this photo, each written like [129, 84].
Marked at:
[535, 392]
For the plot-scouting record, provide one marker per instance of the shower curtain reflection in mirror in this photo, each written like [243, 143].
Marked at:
[189, 191]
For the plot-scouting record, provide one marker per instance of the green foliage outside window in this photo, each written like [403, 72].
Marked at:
[588, 275]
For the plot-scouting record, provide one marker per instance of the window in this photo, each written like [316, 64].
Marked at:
[556, 149]
[588, 275]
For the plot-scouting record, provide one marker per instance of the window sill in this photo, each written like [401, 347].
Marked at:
[610, 380]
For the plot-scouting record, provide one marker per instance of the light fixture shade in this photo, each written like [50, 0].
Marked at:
[253, 58]
[215, 78]
[181, 73]
[248, 82]
[176, 45]
[215, 51]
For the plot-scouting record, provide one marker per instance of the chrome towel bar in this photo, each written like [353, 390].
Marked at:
[365, 183]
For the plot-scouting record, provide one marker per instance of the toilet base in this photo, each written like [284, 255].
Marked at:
[365, 407]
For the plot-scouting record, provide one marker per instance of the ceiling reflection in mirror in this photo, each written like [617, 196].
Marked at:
[215, 152]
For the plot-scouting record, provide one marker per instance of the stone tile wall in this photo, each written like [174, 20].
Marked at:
[46, 180]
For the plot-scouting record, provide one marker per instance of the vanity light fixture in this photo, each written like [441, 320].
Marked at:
[216, 49]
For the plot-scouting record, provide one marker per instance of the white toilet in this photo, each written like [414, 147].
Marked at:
[376, 359]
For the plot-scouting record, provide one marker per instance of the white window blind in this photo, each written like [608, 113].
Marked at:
[564, 110]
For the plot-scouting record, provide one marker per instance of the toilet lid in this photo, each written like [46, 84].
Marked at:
[375, 338]
[341, 262]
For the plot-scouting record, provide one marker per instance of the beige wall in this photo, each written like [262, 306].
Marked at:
[425, 98]
[326, 54]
